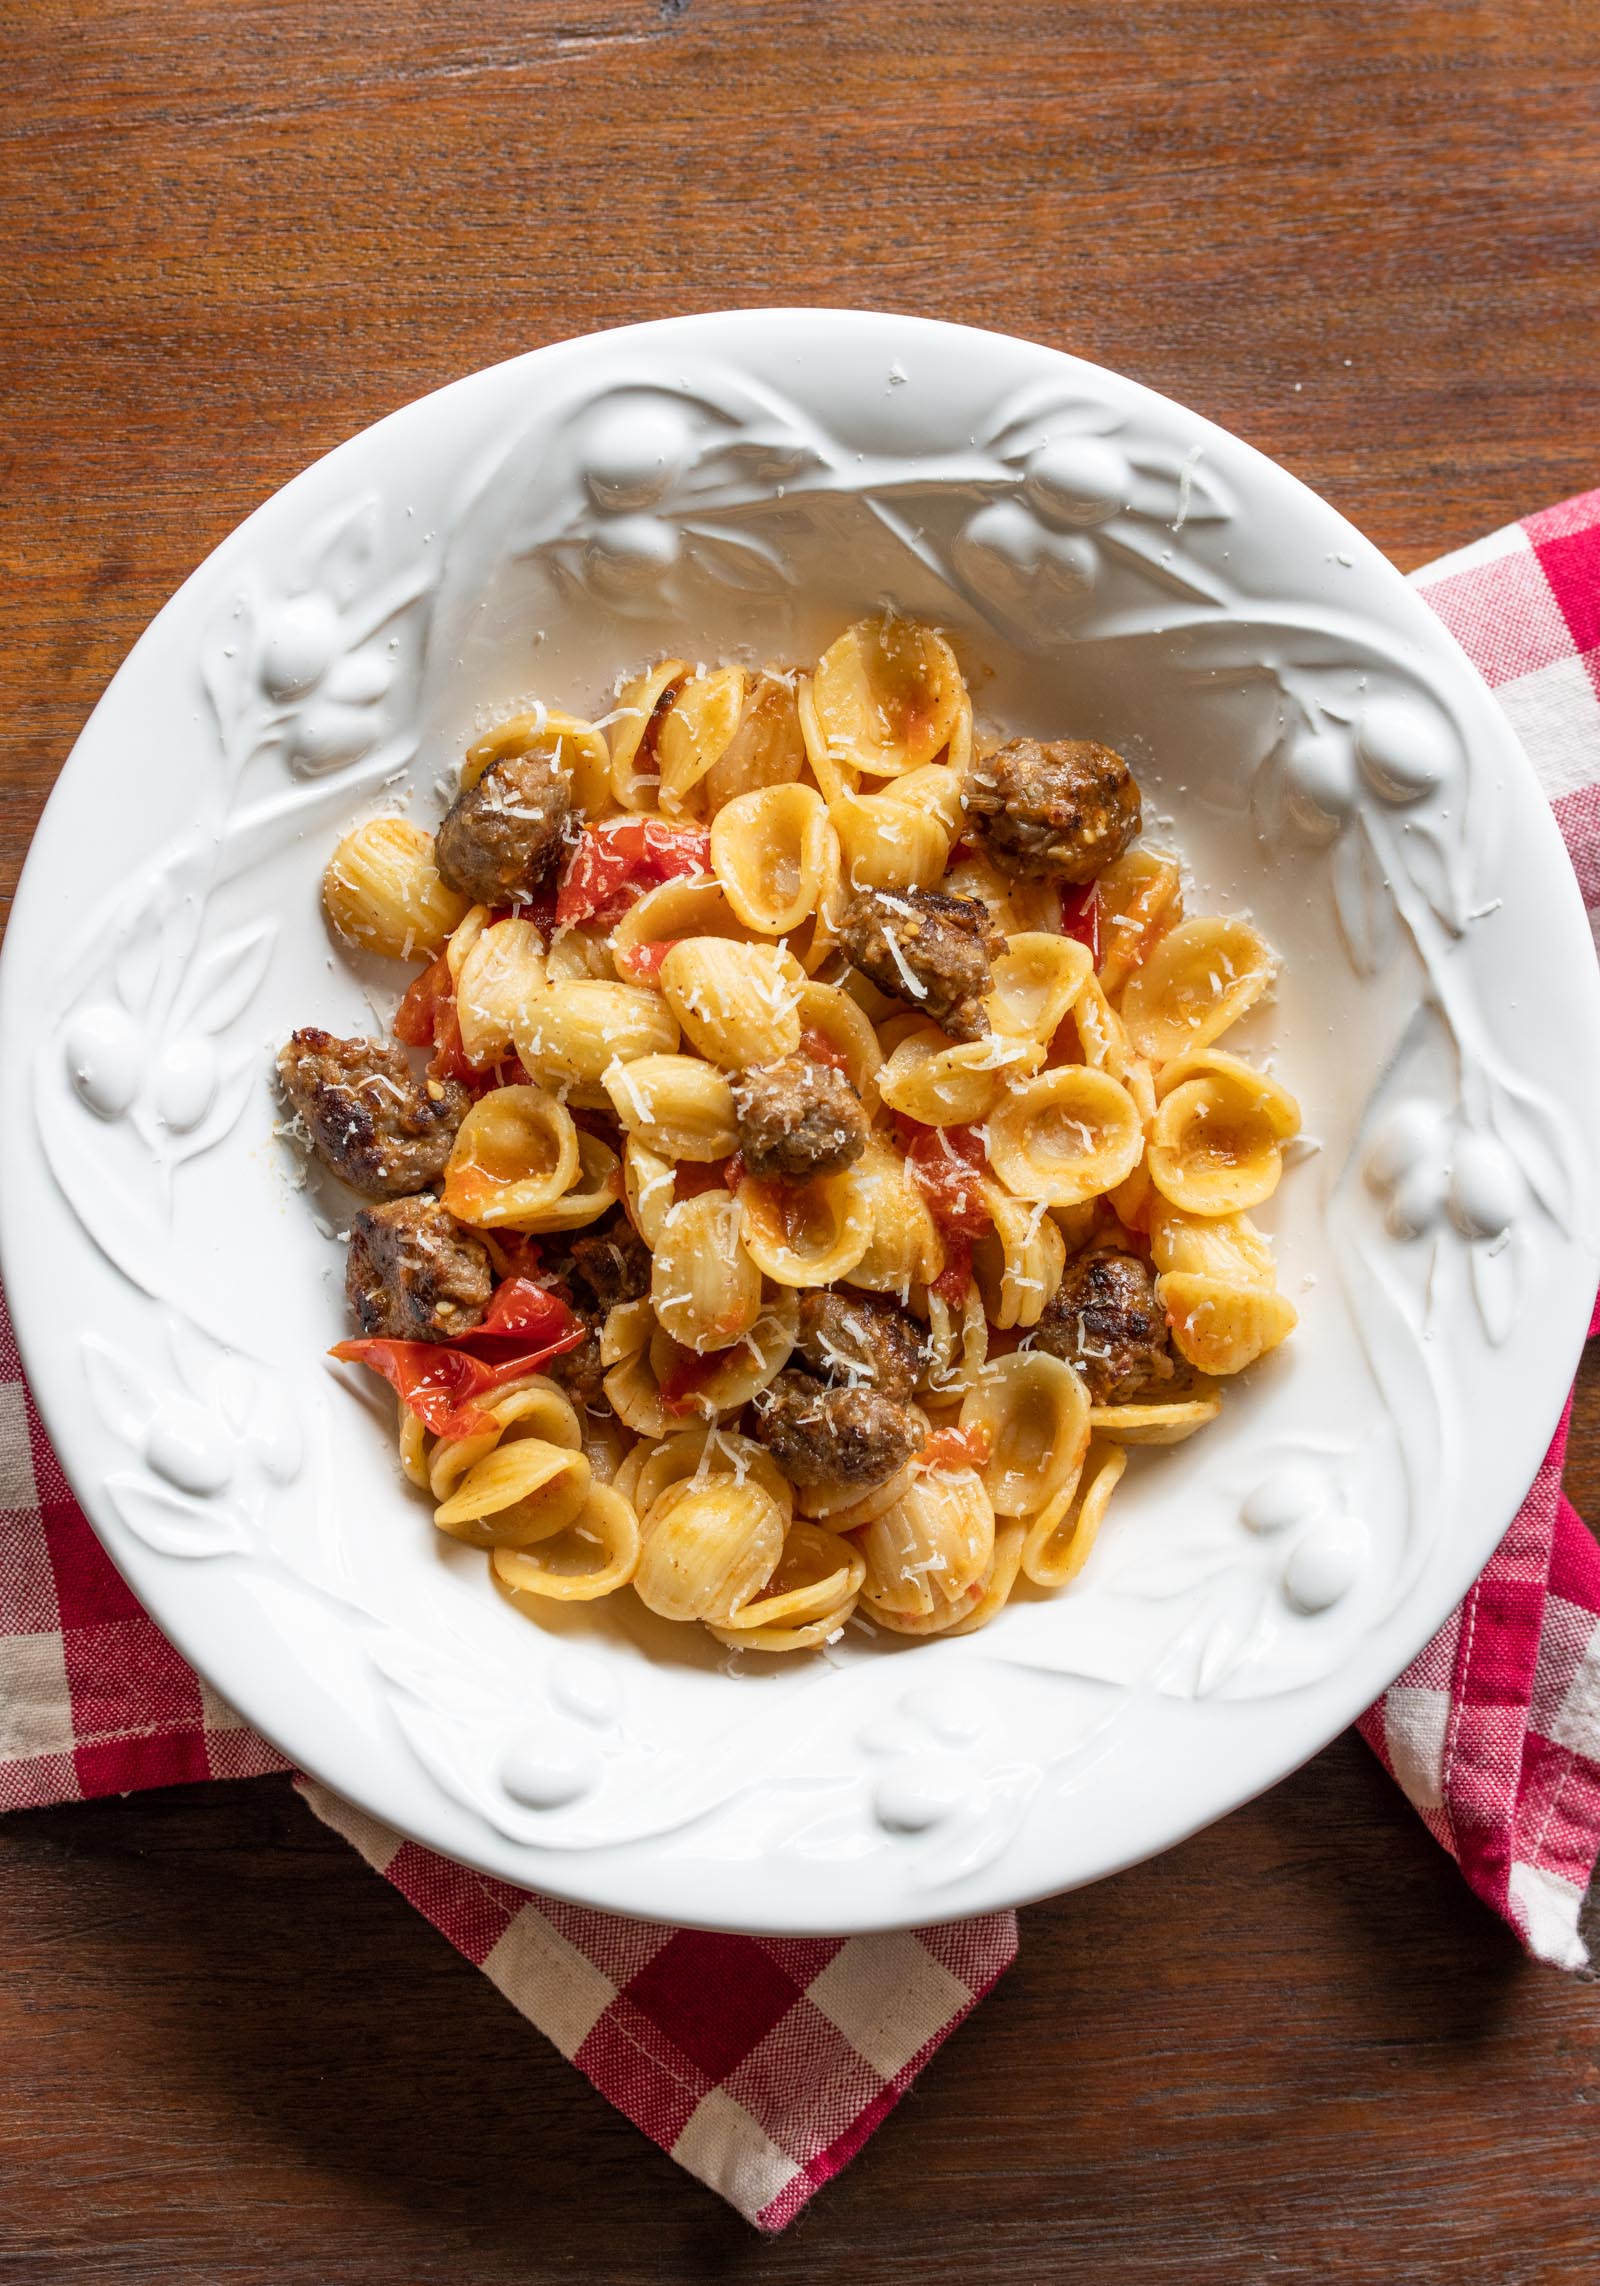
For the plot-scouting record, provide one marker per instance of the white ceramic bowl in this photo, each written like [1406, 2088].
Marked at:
[1112, 566]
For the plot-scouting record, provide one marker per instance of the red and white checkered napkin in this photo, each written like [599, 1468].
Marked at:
[763, 2065]
[1494, 1731]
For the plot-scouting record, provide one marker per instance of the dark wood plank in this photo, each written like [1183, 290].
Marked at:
[1364, 236]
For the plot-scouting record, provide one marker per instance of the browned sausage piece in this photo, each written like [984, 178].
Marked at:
[798, 1118]
[859, 1340]
[1104, 1319]
[834, 1437]
[579, 1371]
[1059, 812]
[379, 1127]
[614, 1263]
[927, 948]
[499, 836]
[413, 1275]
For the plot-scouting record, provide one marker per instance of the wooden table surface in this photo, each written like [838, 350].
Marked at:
[1364, 235]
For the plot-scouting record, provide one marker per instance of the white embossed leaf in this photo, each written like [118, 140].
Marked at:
[238, 1085]
[122, 1396]
[174, 1524]
[1540, 1144]
[1363, 900]
[229, 977]
[1496, 1279]
[226, 658]
[342, 548]
[737, 560]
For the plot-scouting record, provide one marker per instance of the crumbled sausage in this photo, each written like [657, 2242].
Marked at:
[859, 1340]
[1057, 812]
[798, 1118]
[412, 1275]
[500, 835]
[592, 1275]
[927, 948]
[1104, 1319]
[614, 1264]
[579, 1371]
[379, 1127]
[834, 1437]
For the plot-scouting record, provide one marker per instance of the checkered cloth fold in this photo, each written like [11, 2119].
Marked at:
[762, 2065]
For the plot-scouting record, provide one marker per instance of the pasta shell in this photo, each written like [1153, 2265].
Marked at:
[383, 893]
[1069, 1135]
[887, 695]
[1140, 896]
[707, 1548]
[738, 1004]
[695, 734]
[837, 1023]
[945, 1084]
[1062, 1536]
[1036, 980]
[1226, 1247]
[1030, 1413]
[514, 1154]
[817, 1572]
[903, 1246]
[708, 1452]
[679, 1106]
[769, 850]
[1221, 1328]
[516, 1495]
[1018, 1264]
[650, 1188]
[1215, 1144]
[1009, 1537]
[594, 1555]
[1200, 978]
[571, 1033]
[498, 977]
[636, 720]
[767, 749]
[1167, 1424]
[704, 1288]
[885, 844]
[931, 1546]
[805, 1234]
[595, 1190]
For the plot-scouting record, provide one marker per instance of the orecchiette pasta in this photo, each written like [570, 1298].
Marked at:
[696, 734]
[708, 1546]
[1200, 978]
[887, 696]
[888, 844]
[738, 1004]
[515, 1154]
[806, 1234]
[769, 850]
[1067, 1136]
[811, 1259]
[569, 1035]
[678, 1106]
[929, 1548]
[705, 1288]
[383, 894]
[1216, 1141]
[640, 709]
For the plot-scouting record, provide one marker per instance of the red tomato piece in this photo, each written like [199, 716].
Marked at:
[444, 1383]
[616, 862]
[1080, 917]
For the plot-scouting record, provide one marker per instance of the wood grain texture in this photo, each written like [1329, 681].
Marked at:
[1365, 236]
